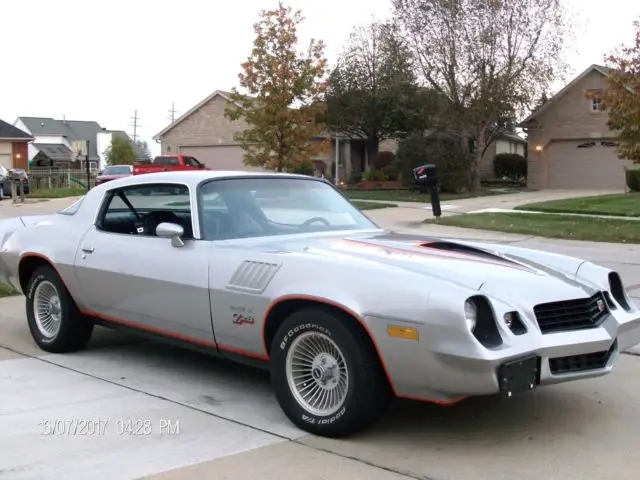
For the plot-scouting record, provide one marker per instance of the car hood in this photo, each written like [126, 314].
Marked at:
[456, 261]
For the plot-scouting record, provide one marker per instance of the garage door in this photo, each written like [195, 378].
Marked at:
[224, 157]
[5, 160]
[590, 164]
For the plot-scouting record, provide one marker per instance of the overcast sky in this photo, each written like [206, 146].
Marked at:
[91, 60]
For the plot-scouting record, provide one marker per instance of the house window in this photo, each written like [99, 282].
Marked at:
[595, 104]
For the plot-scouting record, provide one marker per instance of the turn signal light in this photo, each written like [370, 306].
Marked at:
[402, 332]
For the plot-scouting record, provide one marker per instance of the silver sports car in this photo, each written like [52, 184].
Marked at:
[282, 271]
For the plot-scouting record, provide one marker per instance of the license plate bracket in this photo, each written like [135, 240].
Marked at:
[519, 375]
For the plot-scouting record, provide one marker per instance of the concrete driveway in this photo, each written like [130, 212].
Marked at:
[165, 413]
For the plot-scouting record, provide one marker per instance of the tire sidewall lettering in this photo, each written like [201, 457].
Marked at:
[314, 420]
[33, 285]
[299, 329]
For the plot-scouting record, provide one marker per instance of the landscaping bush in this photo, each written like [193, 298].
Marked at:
[356, 177]
[375, 176]
[304, 168]
[446, 152]
[383, 159]
[510, 165]
[390, 172]
[633, 179]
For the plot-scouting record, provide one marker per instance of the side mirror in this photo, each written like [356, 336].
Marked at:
[172, 231]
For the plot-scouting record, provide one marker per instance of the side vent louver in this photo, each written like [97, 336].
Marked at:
[252, 276]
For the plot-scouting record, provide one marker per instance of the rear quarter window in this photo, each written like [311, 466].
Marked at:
[73, 208]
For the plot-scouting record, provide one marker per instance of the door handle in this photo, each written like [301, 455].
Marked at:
[88, 249]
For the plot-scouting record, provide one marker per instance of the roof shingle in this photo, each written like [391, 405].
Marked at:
[8, 131]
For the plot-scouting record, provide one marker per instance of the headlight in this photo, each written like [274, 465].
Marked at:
[470, 314]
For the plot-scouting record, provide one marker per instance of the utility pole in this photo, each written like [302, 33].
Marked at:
[172, 113]
[135, 126]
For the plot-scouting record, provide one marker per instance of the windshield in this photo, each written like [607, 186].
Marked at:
[117, 170]
[251, 207]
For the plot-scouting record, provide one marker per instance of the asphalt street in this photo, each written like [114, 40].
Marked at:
[126, 408]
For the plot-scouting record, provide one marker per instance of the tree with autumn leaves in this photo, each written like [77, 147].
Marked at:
[283, 104]
[621, 97]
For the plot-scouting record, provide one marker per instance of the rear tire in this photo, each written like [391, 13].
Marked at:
[317, 350]
[56, 324]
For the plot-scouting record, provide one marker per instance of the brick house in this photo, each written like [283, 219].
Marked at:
[205, 133]
[570, 144]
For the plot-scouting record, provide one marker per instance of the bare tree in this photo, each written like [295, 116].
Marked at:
[492, 59]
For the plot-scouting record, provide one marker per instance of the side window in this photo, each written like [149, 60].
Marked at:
[192, 162]
[139, 210]
[171, 161]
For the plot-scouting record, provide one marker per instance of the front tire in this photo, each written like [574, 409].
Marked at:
[326, 374]
[56, 324]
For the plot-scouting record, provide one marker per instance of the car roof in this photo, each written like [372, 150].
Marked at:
[193, 177]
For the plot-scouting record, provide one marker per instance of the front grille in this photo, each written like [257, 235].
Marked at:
[570, 315]
[582, 363]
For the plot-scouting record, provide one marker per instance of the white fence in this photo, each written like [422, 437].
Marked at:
[51, 178]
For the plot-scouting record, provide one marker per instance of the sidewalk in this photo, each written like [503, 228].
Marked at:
[506, 210]
[505, 201]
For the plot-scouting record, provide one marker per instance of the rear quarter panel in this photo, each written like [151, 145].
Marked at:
[55, 240]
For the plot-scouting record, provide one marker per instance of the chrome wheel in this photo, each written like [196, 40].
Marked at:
[47, 309]
[317, 374]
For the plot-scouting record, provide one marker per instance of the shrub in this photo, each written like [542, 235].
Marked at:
[390, 172]
[383, 159]
[356, 177]
[633, 179]
[510, 165]
[375, 176]
[446, 152]
[304, 168]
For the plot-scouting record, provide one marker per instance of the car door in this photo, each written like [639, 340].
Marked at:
[131, 276]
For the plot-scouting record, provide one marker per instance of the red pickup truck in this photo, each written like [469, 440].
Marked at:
[168, 163]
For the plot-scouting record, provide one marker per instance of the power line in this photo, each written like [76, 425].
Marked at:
[135, 125]
[172, 113]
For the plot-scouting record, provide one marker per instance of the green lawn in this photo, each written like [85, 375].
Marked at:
[7, 290]
[413, 195]
[594, 229]
[371, 206]
[623, 205]
[57, 193]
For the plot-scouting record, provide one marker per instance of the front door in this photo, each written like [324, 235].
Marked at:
[131, 276]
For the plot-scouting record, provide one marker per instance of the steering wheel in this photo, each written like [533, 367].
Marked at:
[314, 220]
[217, 224]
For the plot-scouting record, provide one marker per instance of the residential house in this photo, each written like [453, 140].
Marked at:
[205, 133]
[13, 146]
[570, 144]
[54, 141]
[507, 142]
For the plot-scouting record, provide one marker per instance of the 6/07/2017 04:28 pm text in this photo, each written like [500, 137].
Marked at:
[98, 427]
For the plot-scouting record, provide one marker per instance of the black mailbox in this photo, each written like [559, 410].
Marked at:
[426, 175]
